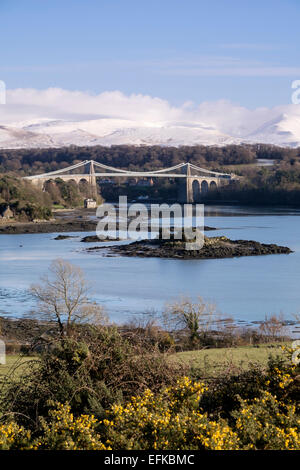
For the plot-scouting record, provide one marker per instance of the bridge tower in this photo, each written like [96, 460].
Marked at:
[185, 194]
[92, 181]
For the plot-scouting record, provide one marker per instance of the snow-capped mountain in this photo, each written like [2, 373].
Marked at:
[283, 130]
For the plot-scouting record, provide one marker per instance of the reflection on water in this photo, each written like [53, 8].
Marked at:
[247, 288]
[237, 211]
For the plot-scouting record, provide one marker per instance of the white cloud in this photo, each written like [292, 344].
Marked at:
[56, 102]
[25, 105]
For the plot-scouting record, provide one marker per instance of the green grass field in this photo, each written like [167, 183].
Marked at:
[15, 364]
[210, 361]
[215, 361]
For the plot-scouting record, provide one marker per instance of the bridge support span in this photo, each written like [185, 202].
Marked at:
[192, 187]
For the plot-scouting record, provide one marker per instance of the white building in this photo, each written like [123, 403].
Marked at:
[90, 204]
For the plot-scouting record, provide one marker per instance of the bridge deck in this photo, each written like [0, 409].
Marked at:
[127, 175]
[111, 171]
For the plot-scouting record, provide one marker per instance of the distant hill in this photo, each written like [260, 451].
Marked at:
[283, 130]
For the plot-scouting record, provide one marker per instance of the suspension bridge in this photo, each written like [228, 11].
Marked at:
[194, 181]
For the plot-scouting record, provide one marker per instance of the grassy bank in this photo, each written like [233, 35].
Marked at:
[15, 365]
[216, 360]
[211, 361]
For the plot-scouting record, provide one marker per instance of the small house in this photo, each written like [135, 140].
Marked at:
[90, 204]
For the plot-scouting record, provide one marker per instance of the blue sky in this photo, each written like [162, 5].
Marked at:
[243, 51]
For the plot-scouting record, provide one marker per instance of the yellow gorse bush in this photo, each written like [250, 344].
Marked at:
[67, 432]
[171, 420]
[13, 437]
[168, 420]
[266, 423]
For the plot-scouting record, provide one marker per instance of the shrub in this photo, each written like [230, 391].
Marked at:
[14, 437]
[64, 431]
[61, 403]
[266, 423]
[168, 420]
[90, 375]
[171, 419]
[225, 391]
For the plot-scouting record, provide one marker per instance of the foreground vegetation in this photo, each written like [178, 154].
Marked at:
[70, 401]
[94, 386]
[211, 362]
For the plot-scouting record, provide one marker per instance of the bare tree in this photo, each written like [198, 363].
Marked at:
[195, 318]
[63, 297]
[273, 326]
[297, 317]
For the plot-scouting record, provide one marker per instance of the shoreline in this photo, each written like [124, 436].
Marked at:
[25, 332]
[69, 220]
[65, 221]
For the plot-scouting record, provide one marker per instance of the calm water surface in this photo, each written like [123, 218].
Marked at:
[245, 288]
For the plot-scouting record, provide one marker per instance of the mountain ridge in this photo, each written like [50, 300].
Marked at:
[283, 130]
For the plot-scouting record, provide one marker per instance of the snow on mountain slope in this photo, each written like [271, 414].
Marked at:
[283, 130]
[11, 137]
[167, 135]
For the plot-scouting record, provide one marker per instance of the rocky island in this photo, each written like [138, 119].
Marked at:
[214, 247]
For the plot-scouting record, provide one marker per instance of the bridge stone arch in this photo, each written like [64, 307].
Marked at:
[196, 188]
[193, 189]
[73, 180]
[47, 182]
[204, 187]
[84, 186]
[84, 180]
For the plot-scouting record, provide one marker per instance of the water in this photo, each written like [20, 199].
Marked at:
[245, 288]
[265, 162]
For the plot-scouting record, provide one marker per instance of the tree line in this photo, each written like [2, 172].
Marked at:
[32, 161]
[28, 202]
[276, 184]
